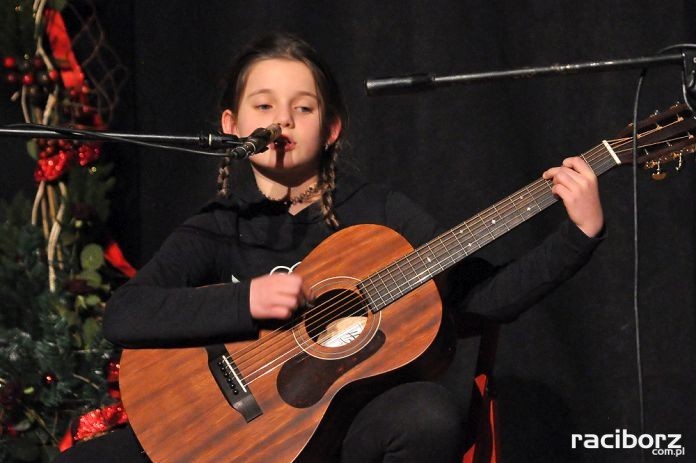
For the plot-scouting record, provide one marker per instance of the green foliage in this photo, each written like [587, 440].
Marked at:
[17, 28]
[91, 186]
[52, 351]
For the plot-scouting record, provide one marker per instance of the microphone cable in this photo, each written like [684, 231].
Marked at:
[636, 255]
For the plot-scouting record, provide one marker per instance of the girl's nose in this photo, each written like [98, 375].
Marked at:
[284, 118]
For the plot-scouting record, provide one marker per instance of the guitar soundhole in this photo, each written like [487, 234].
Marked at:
[337, 318]
[338, 323]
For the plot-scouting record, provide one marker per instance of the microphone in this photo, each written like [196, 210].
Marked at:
[257, 142]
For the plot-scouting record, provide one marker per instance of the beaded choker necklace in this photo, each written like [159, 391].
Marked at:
[299, 199]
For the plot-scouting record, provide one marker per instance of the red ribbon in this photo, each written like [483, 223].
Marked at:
[114, 256]
[99, 421]
[61, 48]
[93, 424]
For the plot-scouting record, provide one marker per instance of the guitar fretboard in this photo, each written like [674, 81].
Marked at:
[437, 255]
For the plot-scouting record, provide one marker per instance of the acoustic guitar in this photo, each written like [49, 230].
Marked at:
[375, 314]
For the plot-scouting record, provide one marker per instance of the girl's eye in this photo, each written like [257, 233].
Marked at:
[304, 109]
[263, 106]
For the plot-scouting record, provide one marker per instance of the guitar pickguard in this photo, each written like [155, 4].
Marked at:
[303, 380]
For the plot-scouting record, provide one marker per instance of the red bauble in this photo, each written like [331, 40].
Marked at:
[112, 371]
[38, 63]
[12, 78]
[28, 79]
[53, 75]
[49, 379]
[9, 62]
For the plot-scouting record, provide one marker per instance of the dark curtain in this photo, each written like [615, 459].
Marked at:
[569, 365]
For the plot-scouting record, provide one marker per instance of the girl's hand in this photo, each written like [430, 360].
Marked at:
[576, 184]
[275, 296]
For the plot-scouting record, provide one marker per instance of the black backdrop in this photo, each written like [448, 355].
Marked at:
[568, 365]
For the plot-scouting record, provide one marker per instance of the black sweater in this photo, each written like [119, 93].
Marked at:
[235, 239]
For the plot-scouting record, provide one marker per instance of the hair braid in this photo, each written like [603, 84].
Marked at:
[223, 180]
[327, 183]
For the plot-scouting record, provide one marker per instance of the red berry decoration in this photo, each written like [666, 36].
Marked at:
[49, 378]
[38, 63]
[9, 62]
[12, 78]
[28, 79]
[53, 75]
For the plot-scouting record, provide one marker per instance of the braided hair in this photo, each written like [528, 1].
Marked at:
[287, 46]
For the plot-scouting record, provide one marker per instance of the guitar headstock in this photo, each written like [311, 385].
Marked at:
[662, 138]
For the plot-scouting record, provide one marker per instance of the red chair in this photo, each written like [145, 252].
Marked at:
[486, 448]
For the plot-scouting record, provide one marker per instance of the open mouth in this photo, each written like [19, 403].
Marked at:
[283, 143]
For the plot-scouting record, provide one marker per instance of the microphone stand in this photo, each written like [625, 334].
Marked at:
[175, 142]
[421, 82]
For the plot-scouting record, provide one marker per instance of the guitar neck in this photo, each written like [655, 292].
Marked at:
[437, 255]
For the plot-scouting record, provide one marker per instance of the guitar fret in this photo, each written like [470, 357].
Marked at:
[447, 253]
[512, 216]
[371, 299]
[405, 283]
[386, 288]
[460, 243]
[450, 247]
[416, 275]
[517, 209]
[484, 225]
[535, 201]
[425, 266]
[396, 283]
[419, 274]
[466, 224]
[500, 217]
[434, 257]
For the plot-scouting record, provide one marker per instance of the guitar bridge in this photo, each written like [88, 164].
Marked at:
[231, 382]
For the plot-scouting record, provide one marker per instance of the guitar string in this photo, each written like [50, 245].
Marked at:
[499, 214]
[322, 309]
[268, 367]
[278, 361]
[502, 215]
[388, 271]
[298, 348]
[609, 164]
[334, 337]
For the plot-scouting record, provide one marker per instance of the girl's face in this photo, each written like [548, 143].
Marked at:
[284, 92]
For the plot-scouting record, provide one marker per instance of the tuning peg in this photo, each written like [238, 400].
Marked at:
[679, 163]
[658, 174]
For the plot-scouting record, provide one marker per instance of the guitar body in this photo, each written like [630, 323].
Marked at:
[177, 408]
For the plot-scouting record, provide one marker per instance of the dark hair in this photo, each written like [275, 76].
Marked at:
[283, 45]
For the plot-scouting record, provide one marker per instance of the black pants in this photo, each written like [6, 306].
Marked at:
[413, 422]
